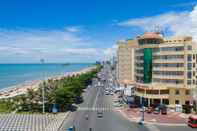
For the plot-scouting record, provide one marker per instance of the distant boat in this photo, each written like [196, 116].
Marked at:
[66, 64]
[42, 61]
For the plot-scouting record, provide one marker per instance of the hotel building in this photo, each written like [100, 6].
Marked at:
[165, 69]
[126, 62]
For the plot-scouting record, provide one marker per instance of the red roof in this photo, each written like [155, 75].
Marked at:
[150, 35]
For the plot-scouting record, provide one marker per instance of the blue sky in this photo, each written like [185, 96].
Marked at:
[84, 30]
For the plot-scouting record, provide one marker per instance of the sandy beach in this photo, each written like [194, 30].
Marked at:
[24, 87]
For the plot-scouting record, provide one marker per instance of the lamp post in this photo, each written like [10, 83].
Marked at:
[142, 118]
[43, 101]
[43, 93]
[195, 98]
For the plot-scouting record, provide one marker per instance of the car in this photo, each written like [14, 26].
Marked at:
[156, 110]
[117, 105]
[99, 114]
[111, 93]
[86, 116]
[106, 93]
[133, 106]
[72, 128]
[116, 101]
[164, 111]
[142, 109]
[149, 110]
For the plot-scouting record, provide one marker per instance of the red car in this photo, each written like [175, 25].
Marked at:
[192, 121]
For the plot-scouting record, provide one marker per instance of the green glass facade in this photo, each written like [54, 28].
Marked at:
[147, 65]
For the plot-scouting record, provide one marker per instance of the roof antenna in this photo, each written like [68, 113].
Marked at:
[158, 29]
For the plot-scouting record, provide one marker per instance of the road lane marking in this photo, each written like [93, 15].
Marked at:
[94, 109]
[152, 127]
[94, 105]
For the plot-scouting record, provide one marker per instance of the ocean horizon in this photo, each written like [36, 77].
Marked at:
[16, 74]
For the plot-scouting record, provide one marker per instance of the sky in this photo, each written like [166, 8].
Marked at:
[62, 31]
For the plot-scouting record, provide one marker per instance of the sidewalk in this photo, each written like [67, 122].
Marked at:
[171, 119]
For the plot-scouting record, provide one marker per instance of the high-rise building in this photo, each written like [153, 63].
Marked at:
[125, 62]
[165, 69]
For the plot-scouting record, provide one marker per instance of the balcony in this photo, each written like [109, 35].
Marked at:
[169, 53]
[168, 68]
[173, 77]
[168, 61]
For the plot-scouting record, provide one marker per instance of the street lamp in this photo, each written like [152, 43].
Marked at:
[43, 93]
[43, 102]
[142, 119]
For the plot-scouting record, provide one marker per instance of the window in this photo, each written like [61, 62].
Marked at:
[194, 82]
[187, 92]
[189, 75]
[166, 101]
[194, 65]
[189, 66]
[194, 74]
[177, 92]
[164, 91]
[176, 101]
[189, 82]
[193, 56]
[187, 102]
[189, 57]
[189, 47]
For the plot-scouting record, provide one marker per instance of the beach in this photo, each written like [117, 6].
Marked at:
[24, 87]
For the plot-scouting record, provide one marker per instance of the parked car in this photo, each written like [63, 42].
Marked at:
[192, 121]
[149, 110]
[117, 104]
[72, 128]
[133, 106]
[106, 93]
[164, 111]
[142, 109]
[116, 101]
[156, 110]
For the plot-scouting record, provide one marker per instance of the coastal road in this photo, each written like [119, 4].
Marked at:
[94, 99]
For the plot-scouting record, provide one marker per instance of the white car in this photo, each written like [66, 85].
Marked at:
[117, 104]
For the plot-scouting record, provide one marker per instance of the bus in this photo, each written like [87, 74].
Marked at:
[192, 121]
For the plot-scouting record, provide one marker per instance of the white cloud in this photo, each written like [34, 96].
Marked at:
[52, 45]
[30, 36]
[74, 29]
[178, 23]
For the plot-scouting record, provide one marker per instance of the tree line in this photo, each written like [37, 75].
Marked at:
[61, 93]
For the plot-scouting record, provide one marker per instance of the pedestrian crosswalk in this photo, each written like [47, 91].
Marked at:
[95, 109]
[101, 104]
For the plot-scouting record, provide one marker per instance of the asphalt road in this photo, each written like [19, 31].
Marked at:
[95, 100]
[175, 128]
[112, 120]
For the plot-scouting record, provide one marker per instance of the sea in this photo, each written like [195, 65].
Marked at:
[16, 74]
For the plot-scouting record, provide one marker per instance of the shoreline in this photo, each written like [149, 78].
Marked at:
[22, 88]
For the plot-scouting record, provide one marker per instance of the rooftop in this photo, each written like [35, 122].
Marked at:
[151, 35]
